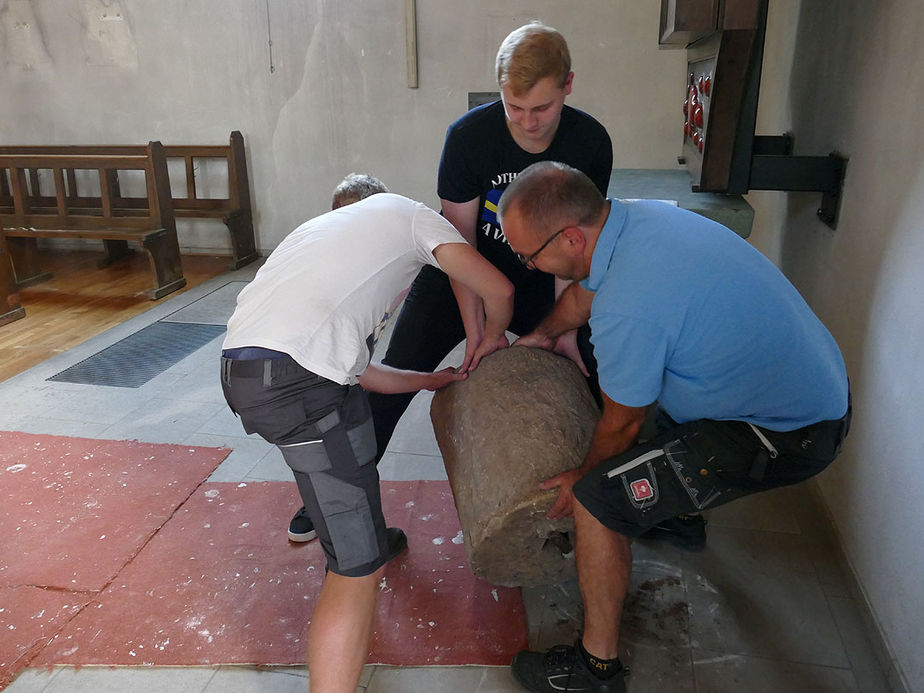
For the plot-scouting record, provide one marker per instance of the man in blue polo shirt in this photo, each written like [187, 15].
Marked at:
[751, 387]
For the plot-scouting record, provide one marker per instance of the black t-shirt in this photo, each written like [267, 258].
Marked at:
[481, 158]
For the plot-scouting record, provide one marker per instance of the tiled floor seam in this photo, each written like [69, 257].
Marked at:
[39, 649]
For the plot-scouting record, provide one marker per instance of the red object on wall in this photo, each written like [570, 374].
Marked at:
[698, 116]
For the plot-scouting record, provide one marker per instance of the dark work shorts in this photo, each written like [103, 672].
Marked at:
[326, 436]
[703, 464]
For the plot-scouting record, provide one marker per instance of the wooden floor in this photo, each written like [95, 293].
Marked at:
[81, 301]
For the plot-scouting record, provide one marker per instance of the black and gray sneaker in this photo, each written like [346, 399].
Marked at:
[300, 528]
[563, 670]
[397, 542]
[686, 531]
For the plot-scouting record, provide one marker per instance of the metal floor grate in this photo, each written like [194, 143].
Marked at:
[136, 359]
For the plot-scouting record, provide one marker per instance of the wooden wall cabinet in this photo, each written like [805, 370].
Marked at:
[686, 21]
[724, 41]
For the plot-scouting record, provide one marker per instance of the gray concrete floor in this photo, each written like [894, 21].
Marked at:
[766, 606]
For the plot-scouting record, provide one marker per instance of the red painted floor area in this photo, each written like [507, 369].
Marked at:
[118, 553]
[433, 610]
[221, 584]
[73, 513]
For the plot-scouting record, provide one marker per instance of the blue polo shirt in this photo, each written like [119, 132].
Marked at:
[687, 313]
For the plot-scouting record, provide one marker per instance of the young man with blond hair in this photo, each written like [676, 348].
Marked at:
[484, 151]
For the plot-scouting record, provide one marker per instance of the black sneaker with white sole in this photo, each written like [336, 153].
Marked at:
[563, 670]
[686, 531]
[300, 528]
[397, 542]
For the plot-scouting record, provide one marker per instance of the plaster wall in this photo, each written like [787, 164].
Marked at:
[318, 87]
[849, 76]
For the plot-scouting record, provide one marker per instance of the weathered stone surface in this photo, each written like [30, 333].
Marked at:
[522, 416]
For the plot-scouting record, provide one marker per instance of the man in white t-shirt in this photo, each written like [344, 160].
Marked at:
[296, 368]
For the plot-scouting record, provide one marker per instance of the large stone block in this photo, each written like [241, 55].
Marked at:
[522, 416]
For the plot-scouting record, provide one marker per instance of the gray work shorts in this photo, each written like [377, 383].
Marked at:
[703, 464]
[326, 436]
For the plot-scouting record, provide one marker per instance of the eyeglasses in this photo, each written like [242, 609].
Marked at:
[528, 260]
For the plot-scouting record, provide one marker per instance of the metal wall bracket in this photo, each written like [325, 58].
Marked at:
[777, 145]
[824, 174]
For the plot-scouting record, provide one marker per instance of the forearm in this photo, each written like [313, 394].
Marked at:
[567, 341]
[616, 431]
[391, 381]
[465, 266]
[463, 215]
[606, 444]
[471, 308]
[498, 311]
[572, 309]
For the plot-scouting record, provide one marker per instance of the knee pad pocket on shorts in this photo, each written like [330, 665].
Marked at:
[349, 521]
[640, 485]
[362, 440]
[357, 444]
[356, 437]
[307, 457]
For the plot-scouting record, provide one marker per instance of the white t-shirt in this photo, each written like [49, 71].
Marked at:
[325, 288]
